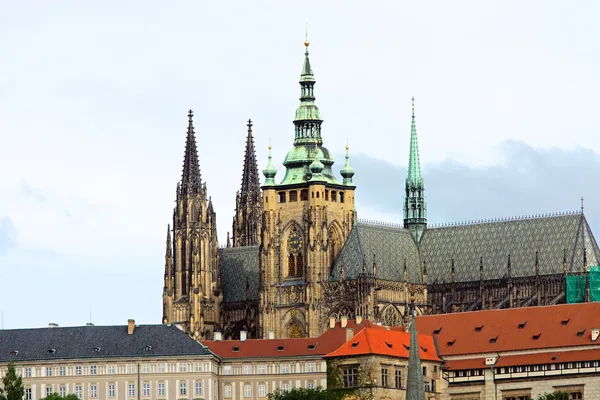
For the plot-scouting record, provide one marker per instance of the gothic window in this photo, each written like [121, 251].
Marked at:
[291, 265]
[391, 317]
[341, 197]
[299, 265]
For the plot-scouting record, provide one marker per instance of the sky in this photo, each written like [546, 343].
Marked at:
[93, 114]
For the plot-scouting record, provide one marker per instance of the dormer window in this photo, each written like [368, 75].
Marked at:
[97, 349]
[478, 328]
[389, 345]
[312, 346]
[423, 348]
[437, 331]
[236, 349]
[148, 347]
[522, 325]
[493, 340]
[565, 322]
[51, 351]
[355, 345]
[280, 348]
[451, 343]
[536, 337]
[581, 333]
[14, 353]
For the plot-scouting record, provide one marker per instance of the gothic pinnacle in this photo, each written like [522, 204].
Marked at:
[191, 180]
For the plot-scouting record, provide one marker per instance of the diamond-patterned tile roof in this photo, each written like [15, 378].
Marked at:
[391, 246]
[238, 265]
[520, 238]
[466, 244]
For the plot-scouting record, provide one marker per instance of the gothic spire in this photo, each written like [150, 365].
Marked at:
[169, 253]
[415, 207]
[415, 390]
[250, 179]
[269, 172]
[191, 180]
[414, 165]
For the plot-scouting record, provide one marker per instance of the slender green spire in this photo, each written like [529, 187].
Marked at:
[414, 165]
[347, 171]
[415, 390]
[415, 207]
[269, 172]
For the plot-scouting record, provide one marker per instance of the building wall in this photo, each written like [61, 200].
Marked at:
[289, 303]
[241, 378]
[370, 376]
[42, 378]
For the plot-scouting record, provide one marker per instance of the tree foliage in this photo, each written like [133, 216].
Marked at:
[56, 396]
[12, 385]
[557, 395]
[306, 394]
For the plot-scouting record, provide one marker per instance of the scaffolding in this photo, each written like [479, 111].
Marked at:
[576, 285]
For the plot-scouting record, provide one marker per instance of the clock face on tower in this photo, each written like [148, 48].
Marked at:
[295, 241]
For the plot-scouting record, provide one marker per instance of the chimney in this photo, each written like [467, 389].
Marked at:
[52, 325]
[331, 322]
[595, 334]
[271, 335]
[344, 321]
[349, 334]
[130, 326]
[242, 336]
[358, 320]
[218, 336]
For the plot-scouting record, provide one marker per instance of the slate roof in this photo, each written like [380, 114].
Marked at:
[466, 243]
[238, 266]
[113, 341]
[391, 246]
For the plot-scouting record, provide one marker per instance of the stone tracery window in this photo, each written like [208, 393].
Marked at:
[299, 265]
[291, 265]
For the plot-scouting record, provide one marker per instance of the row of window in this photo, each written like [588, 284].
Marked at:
[261, 389]
[350, 378]
[529, 368]
[113, 369]
[111, 390]
[263, 369]
[292, 196]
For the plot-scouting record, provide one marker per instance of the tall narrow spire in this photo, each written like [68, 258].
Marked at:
[248, 205]
[191, 180]
[415, 389]
[169, 254]
[250, 179]
[347, 171]
[415, 207]
[269, 172]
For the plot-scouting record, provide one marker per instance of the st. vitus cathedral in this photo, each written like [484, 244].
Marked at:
[298, 255]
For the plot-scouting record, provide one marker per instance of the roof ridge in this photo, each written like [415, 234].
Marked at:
[239, 249]
[380, 223]
[504, 219]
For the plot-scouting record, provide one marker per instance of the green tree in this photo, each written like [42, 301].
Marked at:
[12, 385]
[306, 394]
[557, 395]
[56, 396]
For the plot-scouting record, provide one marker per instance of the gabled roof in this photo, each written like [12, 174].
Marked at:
[96, 342]
[330, 340]
[238, 266]
[494, 241]
[391, 245]
[393, 343]
[491, 331]
[550, 236]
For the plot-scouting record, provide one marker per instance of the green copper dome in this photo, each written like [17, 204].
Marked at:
[269, 172]
[347, 172]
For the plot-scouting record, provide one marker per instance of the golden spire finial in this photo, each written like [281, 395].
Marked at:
[306, 42]
[347, 146]
[270, 144]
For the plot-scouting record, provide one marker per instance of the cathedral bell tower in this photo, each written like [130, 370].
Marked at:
[306, 219]
[191, 296]
[415, 207]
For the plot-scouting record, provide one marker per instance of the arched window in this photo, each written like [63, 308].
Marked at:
[291, 265]
[304, 194]
[299, 265]
[293, 195]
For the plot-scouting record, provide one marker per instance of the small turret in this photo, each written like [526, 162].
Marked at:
[347, 171]
[269, 172]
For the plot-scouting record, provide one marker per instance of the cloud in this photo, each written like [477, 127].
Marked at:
[526, 181]
[8, 235]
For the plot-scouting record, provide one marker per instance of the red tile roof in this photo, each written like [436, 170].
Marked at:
[513, 329]
[330, 340]
[393, 343]
[549, 358]
[471, 363]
